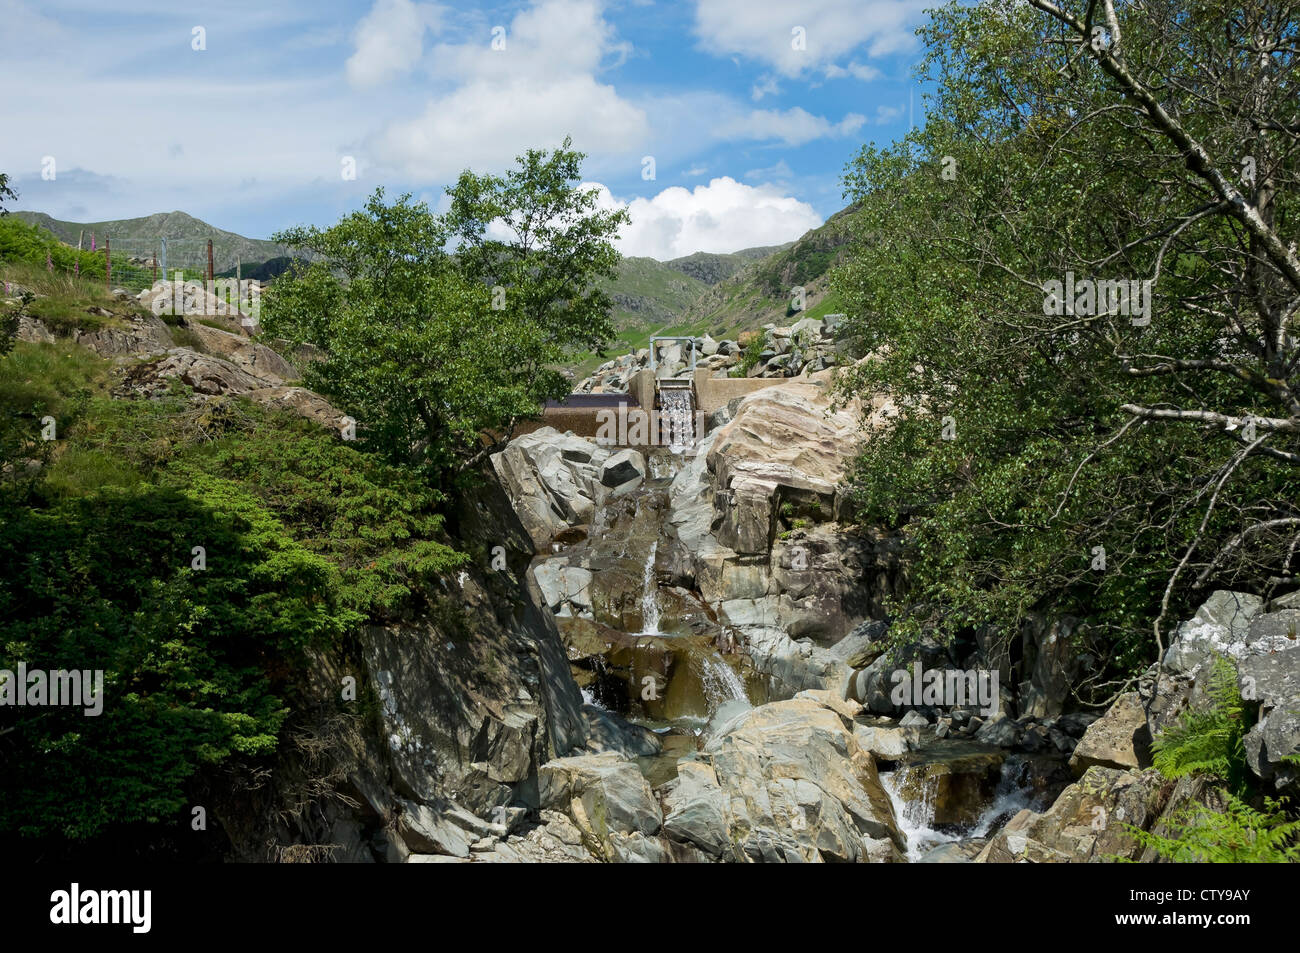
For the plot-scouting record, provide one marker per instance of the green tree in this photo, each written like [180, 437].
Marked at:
[431, 350]
[1032, 465]
[5, 192]
[557, 244]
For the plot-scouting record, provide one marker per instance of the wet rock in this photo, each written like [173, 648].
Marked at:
[885, 744]
[1001, 733]
[957, 786]
[608, 732]
[955, 852]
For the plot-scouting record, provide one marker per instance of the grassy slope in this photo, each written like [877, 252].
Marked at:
[188, 232]
[747, 289]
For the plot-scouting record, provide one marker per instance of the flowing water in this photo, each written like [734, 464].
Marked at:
[650, 595]
[678, 417]
[721, 683]
[916, 816]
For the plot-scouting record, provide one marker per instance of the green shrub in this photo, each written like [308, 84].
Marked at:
[306, 537]
[749, 357]
[1238, 834]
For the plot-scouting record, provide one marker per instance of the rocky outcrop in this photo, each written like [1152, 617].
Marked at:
[1263, 644]
[207, 375]
[1120, 739]
[759, 512]
[556, 481]
[251, 357]
[782, 783]
[134, 337]
[785, 782]
[468, 702]
[807, 346]
[1092, 819]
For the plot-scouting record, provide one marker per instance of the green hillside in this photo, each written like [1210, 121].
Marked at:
[707, 292]
[711, 267]
[722, 295]
[648, 293]
[186, 236]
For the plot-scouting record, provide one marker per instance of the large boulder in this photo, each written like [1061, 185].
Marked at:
[1089, 822]
[566, 589]
[606, 796]
[256, 359]
[553, 481]
[784, 442]
[785, 782]
[208, 375]
[623, 472]
[1274, 681]
[1221, 626]
[1119, 739]
[1264, 647]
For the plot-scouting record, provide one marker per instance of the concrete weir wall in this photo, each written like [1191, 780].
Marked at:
[577, 413]
[712, 393]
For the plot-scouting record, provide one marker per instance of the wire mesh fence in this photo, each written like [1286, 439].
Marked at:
[177, 273]
[139, 262]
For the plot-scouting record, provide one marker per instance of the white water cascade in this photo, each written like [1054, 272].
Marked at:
[720, 682]
[650, 595]
[677, 417]
[916, 817]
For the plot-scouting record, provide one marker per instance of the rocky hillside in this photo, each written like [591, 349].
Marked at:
[685, 657]
[745, 552]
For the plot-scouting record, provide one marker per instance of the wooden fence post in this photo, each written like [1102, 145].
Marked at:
[108, 266]
[209, 261]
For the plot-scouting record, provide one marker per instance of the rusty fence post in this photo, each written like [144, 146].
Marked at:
[209, 261]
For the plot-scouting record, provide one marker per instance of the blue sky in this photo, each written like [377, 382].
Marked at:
[748, 131]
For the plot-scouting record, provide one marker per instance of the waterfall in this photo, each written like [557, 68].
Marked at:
[720, 682]
[650, 595]
[916, 817]
[677, 416]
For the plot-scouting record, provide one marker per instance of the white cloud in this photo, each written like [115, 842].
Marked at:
[766, 86]
[888, 114]
[542, 86]
[781, 172]
[390, 40]
[762, 29]
[483, 125]
[855, 69]
[792, 126]
[723, 216]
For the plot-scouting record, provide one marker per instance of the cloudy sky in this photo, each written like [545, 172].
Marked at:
[705, 118]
